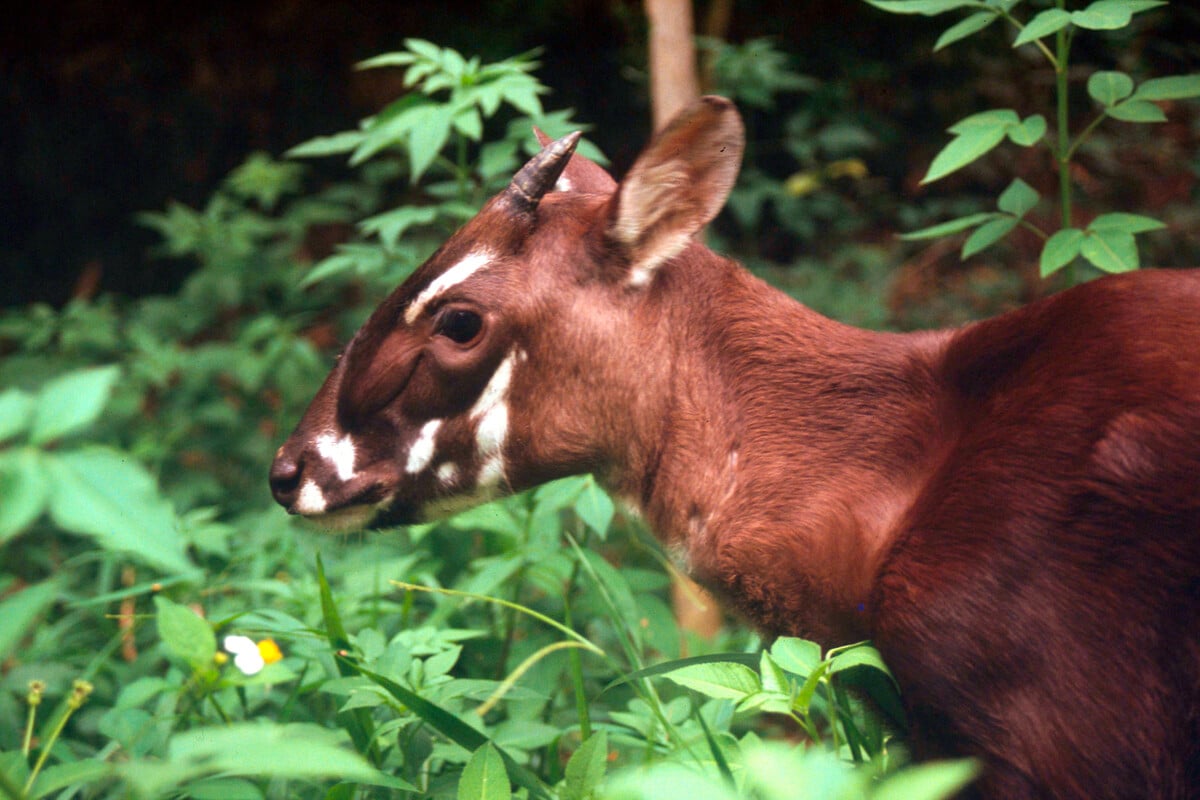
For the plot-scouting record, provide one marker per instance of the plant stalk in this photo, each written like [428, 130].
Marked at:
[1062, 86]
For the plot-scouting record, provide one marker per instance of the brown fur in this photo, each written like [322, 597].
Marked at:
[1011, 510]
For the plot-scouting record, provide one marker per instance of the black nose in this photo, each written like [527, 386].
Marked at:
[285, 479]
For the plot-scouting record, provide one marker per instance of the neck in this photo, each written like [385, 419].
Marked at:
[790, 448]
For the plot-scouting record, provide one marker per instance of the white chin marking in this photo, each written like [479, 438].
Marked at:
[310, 500]
[339, 452]
[468, 266]
[420, 454]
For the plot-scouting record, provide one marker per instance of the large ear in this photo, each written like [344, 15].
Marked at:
[677, 185]
[581, 173]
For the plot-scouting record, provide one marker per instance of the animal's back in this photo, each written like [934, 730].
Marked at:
[1043, 599]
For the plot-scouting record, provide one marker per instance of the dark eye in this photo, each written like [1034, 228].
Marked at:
[459, 325]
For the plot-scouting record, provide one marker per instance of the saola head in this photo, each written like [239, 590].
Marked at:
[524, 349]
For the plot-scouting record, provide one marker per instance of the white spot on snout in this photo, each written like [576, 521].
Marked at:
[339, 452]
[468, 266]
[310, 500]
[421, 451]
[447, 473]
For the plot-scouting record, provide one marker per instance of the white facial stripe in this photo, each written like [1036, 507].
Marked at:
[491, 473]
[339, 452]
[492, 430]
[310, 500]
[421, 452]
[491, 415]
[471, 263]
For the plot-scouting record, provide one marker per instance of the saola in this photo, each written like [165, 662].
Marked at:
[1010, 510]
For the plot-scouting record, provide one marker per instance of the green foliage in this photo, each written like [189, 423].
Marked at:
[1107, 243]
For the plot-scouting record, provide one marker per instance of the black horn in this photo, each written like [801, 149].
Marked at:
[537, 177]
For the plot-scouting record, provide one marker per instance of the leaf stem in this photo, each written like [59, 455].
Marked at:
[1063, 47]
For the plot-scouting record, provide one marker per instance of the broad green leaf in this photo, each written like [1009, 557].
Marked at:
[1029, 132]
[861, 655]
[1129, 223]
[90, 771]
[1108, 88]
[1060, 250]
[24, 490]
[987, 235]
[586, 767]
[798, 656]
[1137, 111]
[964, 28]
[16, 412]
[184, 633]
[391, 225]
[1018, 199]
[427, 138]
[1108, 15]
[723, 680]
[398, 59]
[107, 495]
[1175, 87]
[928, 8]
[974, 137]
[484, 777]
[931, 781]
[595, 508]
[71, 402]
[1043, 24]
[950, 226]
[19, 611]
[1110, 250]
[224, 789]
[424, 48]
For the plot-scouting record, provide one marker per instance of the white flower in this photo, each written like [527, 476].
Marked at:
[246, 655]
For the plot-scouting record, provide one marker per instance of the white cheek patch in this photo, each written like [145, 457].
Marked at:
[338, 452]
[310, 500]
[470, 264]
[491, 416]
[421, 452]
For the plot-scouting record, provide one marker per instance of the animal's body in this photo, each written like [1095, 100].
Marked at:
[1010, 510]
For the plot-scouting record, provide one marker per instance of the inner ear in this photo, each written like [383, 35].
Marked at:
[677, 185]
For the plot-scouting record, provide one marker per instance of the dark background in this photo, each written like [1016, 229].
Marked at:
[110, 109]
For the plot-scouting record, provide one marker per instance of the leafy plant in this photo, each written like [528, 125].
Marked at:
[1108, 242]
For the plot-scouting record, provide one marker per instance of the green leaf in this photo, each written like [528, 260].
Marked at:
[595, 508]
[722, 680]
[928, 8]
[1175, 87]
[586, 767]
[1029, 132]
[107, 495]
[748, 660]
[1043, 24]
[24, 490]
[1108, 15]
[427, 138]
[89, 771]
[974, 137]
[950, 226]
[185, 634]
[1018, 199]
[964, 28]
[337, 144]
[931, 781]
[1137, 111]
[798, 656]
[20, 610]
[1060, 250]
[987, 235]
[484, 777]
[1129, 223]
[1110, 250]
[16, 412]
[1109, 88]
[71, 402]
